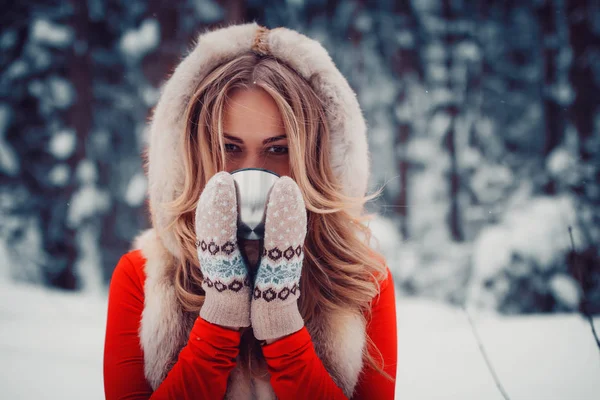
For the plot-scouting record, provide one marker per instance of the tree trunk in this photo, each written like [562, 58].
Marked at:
[553, 111]
[63, 245]
[450, 40]
[235, 11]
[584, 42]
[406, 67]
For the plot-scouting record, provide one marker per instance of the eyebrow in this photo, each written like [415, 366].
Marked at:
[266, 141]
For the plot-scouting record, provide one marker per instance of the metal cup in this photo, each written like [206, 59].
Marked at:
[253, 186]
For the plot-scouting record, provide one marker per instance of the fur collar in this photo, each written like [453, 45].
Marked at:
[164, 330]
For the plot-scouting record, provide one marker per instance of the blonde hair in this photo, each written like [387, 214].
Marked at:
[341, 271]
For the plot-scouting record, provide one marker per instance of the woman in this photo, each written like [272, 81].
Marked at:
[185, 317]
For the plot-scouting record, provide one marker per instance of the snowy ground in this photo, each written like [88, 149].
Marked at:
[51, 348]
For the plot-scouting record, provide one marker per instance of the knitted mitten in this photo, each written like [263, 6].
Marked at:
[274, 309]
[226, 281]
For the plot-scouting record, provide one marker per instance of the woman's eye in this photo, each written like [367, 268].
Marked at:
[232, 148]
[278, 150]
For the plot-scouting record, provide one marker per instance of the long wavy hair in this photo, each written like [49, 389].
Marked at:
[341, 270]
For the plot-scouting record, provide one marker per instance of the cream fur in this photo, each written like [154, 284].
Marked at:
[164, 328]
[338, 339]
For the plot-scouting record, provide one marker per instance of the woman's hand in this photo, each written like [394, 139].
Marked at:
[226, 282]
[274, 309]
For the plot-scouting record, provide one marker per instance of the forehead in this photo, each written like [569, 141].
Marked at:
[252, 113]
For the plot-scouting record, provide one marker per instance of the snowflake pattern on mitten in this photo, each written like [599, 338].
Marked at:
[225, 276]
[277, 285]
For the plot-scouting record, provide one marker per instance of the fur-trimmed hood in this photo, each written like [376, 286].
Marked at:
[349, 158]
[338, 339]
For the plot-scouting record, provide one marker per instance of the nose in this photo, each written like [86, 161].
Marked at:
[251, 160]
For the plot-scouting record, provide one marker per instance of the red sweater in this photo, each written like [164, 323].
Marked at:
[204, 364]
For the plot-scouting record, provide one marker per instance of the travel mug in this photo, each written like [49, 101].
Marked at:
[253, 187]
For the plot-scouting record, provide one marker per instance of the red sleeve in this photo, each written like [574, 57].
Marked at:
[382, 330]
[297, 372]
[204, 364]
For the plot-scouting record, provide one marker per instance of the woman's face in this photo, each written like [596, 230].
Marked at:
[254, 132]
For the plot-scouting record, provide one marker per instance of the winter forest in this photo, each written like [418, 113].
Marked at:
[484, 130]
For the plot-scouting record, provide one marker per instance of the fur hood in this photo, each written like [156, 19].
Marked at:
[349, 158]
[164, 329]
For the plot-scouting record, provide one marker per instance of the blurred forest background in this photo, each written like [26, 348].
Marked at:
[484, 124]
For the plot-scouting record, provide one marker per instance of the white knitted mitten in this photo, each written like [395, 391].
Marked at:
[274, 309]
[226, 282]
